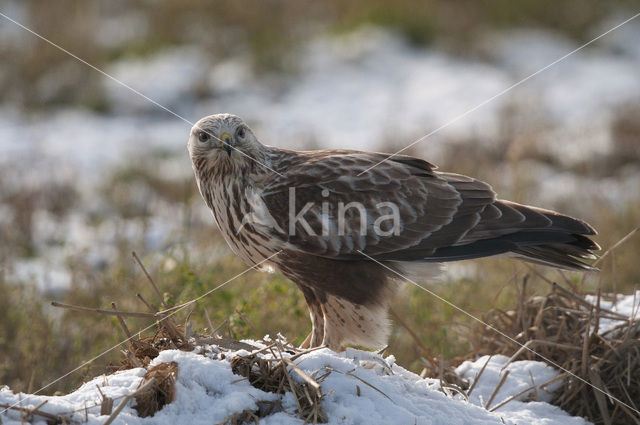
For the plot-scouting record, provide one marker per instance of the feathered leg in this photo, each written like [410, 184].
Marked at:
[314, 339]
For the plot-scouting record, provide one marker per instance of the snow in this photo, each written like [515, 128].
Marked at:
[522, 376]
[518, 379]
[207, 392]
[353, 97]
[176, 74]
[625, 305]
[362, 388]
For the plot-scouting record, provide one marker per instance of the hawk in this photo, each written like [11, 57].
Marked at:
[344, 232]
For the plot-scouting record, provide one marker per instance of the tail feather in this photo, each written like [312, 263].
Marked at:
[543, 237]
[528, 233]
[549, 247]
[552, 256]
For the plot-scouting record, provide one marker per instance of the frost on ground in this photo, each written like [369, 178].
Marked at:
[361, 388]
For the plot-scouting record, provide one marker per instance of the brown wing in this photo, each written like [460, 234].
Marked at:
[440, 216]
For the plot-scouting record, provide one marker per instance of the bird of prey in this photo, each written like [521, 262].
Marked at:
[344, 232]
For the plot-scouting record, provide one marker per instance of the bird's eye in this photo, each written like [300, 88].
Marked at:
[241, 132]
[202, 136]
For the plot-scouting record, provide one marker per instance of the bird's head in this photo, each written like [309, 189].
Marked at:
[223, 143]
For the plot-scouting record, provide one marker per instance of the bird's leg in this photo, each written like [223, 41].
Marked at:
[317, 327]
[348, 323]
[314, 339]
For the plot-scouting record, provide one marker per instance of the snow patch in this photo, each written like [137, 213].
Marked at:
[362, 388]
[625, 305]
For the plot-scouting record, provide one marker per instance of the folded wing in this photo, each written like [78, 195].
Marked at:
[404, 210]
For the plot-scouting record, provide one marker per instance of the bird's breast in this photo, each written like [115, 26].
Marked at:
[232, 203]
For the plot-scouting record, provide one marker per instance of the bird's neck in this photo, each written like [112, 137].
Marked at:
[240, 166]
[223, 180]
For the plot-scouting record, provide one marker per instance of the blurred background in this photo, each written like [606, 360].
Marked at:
[90, 171]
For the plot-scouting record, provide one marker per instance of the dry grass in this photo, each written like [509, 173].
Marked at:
[271, 374]
[562, 329]
[161, 392]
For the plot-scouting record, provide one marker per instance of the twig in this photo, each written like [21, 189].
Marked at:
[533, 382]
[176, 307]
[187, 324]
[595, 379]
[40, 405]
[598, 314]
[553, 380]
[291, 383]
[215, 331]
[521, 295]
[101, 311]
[303, 352]
[350, 373]
[123, 325]
[477, 378]
[106, 406]
[629, 413]
[496, 389]
[631, 402]
[31, 380]
[124, 401]
[149, 278]
[615, 246]
[22, 421]
[513, 397]
[381, 351]
[537, 273]
[303, 375]
[415, 337]
[132, 358]
[566, 279]
[538, 342]
[151, 307]
[585, 346]
[206, 315]
[586, 303]
[57, 418]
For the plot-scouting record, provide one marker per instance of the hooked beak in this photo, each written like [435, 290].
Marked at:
[226, 143]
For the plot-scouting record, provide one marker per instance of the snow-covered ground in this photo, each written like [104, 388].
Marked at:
[361, 388]
[207, 392]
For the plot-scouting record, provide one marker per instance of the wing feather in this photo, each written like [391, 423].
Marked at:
[442, 216]
[426, 202]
